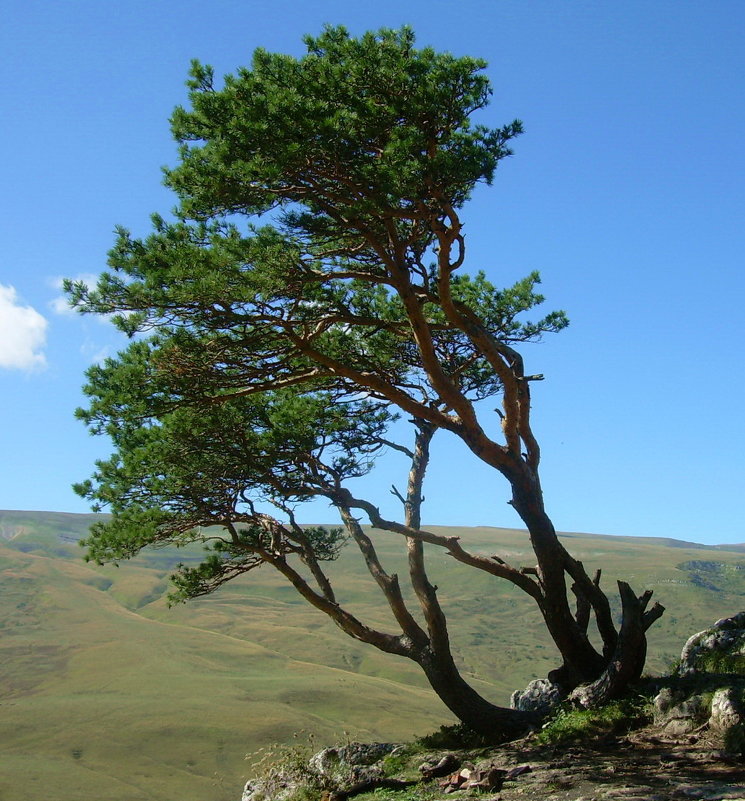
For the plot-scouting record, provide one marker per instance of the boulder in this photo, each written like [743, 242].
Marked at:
[719, 649]
[726, 710]
[678, 712]
[330, 768]
[351, 763]
[728, 718]
[540, 696]
[272, 788]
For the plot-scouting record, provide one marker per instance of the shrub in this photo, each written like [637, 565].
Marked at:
[458, 736]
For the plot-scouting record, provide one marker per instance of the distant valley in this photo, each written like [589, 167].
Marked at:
[108, 693]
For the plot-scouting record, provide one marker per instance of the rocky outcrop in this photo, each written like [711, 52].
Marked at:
[647, 767]
[727, 717]
[710, 689]
[694, 749]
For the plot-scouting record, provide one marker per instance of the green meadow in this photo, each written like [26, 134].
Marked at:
[106, 694]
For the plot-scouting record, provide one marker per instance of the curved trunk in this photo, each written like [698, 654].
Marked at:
[496, 722]
[581, 661]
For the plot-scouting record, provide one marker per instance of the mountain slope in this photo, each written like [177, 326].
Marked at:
[105, 692]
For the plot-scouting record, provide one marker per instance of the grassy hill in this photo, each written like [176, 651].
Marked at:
[107, 693]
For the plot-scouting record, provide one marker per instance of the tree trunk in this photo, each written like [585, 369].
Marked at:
[626, 665]
[496, 722]
[581, 661]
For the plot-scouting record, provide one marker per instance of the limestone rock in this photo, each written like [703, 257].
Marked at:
[342, 765]
[726, 710]
[678, 714]
[274, 788]
[350, 763]
[723, 643]
[728, 717]
[541, 696]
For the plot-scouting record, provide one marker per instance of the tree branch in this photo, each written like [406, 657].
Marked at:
[451, 544]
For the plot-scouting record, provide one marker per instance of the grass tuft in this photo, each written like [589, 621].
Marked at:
[724, 663]
[569, 724]
[281, 765]
[399, 762]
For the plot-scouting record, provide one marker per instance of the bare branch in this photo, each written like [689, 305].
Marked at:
[449, 543]
[397, 494]
[387, 583]
[347, 622]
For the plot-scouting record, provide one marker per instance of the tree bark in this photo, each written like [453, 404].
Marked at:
[496, 722]
[581, 661]
[626, 664]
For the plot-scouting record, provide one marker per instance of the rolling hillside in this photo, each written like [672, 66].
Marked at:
[107, 693]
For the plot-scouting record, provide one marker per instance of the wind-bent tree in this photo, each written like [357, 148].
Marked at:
[271, 361]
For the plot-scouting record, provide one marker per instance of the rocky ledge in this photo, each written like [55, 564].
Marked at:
[692, 748]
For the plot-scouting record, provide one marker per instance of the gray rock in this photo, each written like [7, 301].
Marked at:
[726, 710]
[726, 638]
[354, 762]
[274, 788]
[347, 764]
[539, 696]
[728, 718]
[678, 714]
[351, 755]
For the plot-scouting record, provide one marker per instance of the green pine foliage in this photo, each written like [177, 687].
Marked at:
[257, 309]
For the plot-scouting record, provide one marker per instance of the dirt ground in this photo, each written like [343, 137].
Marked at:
[641, 766]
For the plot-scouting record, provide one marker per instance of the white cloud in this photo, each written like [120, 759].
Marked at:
[61, 304]
[23, 333]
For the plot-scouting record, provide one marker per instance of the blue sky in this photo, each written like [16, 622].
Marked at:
[627, 192]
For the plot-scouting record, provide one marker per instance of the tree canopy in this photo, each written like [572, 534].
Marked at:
[309, 291]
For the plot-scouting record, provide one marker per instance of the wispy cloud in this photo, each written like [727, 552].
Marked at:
[23, 333]
[95, 353]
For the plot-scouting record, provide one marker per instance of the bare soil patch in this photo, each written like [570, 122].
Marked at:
[641, 765]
